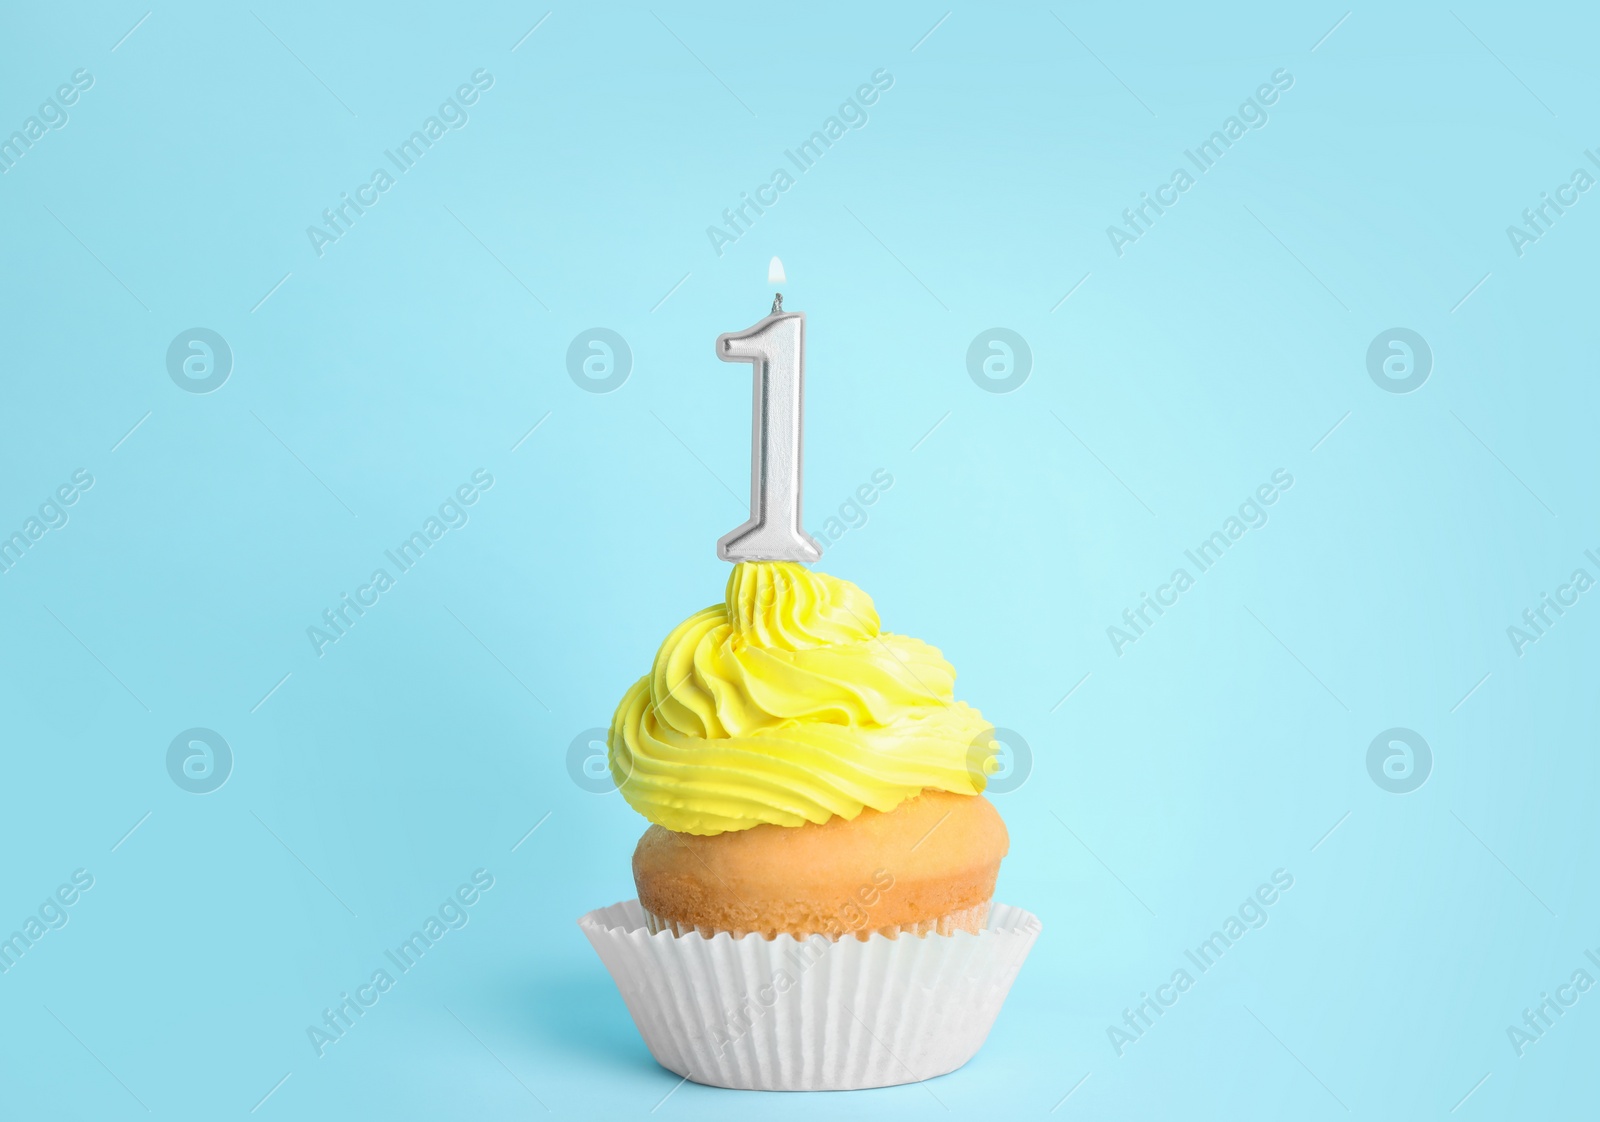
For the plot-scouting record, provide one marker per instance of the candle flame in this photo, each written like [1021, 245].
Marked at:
[775, 272]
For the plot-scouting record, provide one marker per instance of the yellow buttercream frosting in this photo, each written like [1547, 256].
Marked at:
[786, 704]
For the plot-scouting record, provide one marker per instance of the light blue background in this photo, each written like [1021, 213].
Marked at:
[1223, 345]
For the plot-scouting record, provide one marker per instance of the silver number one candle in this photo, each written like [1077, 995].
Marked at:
[776, 350]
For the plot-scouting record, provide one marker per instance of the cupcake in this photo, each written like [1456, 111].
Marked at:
[815, 885]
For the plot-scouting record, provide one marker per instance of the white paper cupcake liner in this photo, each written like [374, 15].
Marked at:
[811, 1015]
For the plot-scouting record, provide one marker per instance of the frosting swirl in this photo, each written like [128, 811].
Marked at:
[786, 704]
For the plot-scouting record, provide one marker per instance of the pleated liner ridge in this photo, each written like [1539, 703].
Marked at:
[811, 1015]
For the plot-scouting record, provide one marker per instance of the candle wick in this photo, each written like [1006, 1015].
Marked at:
[777, 303]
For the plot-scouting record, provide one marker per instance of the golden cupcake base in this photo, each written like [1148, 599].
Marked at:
[927, 866]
